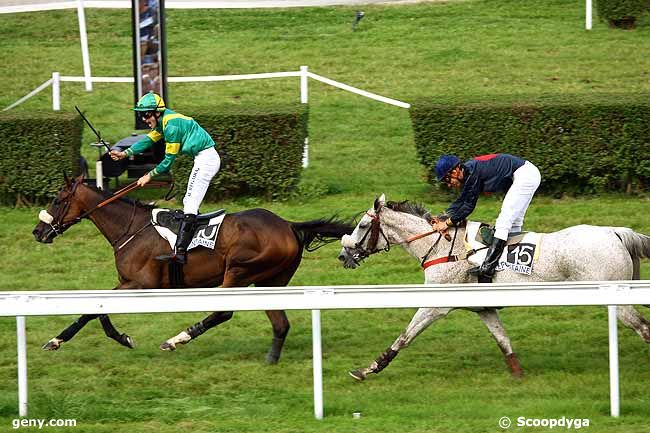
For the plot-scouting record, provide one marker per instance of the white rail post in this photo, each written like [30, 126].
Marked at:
[614, 397]
[588, 13]
[99, 174]
[84, 45]
[22, 365]
[56, 91]
[318, 363]
[304, 99]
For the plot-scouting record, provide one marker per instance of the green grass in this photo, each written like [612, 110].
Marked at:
[452, 379]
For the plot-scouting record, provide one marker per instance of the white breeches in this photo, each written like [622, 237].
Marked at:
[526, 180]
[206, 166]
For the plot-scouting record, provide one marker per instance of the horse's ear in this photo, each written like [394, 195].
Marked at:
[65, 177]
[380, 202]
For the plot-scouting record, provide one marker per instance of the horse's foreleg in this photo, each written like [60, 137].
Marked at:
[634, 320]
[420, 321]
[494, 325]
[69, 332]
[197, 329]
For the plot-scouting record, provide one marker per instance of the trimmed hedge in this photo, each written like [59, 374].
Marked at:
[621, 13]
[36, 151]
[578, 148]
[260, 148]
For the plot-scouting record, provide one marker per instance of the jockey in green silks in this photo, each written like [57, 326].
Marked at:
[182, 135]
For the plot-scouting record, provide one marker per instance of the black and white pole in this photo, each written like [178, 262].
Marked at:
[304, 99]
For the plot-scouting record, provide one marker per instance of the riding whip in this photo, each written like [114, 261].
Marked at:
[99, 137]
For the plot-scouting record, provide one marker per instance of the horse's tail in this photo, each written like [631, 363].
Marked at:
[637, 244]
[321, 231]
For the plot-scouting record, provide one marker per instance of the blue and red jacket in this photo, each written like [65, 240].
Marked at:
[486, 173]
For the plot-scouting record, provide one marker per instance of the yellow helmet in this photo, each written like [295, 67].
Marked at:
[150, 102]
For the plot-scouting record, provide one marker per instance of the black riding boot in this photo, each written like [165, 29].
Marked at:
[486, 270]
[185, 234]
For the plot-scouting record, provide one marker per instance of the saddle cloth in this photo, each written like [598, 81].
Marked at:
[168, 222]
[519, 255]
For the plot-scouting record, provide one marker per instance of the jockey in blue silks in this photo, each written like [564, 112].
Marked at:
[489, 173]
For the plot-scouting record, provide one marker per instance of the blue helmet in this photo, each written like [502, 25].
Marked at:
[445, 164]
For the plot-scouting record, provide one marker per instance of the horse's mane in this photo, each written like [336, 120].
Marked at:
[409, 207]
[124, 199]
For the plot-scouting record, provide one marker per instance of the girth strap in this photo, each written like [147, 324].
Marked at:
[440, 260]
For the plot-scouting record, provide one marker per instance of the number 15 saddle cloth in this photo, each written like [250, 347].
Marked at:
[520, 254]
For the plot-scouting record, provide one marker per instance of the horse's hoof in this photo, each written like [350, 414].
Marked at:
[646, 335]
[514, 365]
[53, 344]
[127, 341]
[357, 375]
[167, 346]
[272, 358]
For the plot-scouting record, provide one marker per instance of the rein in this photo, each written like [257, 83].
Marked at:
[59, 228]
[117, 194]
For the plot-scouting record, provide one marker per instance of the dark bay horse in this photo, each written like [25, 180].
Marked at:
[253, 247]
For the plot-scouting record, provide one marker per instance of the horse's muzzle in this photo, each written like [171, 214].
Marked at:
[349, 260]
[44, 233]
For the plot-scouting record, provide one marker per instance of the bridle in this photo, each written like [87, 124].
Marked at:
[57, 224]
[374, 231]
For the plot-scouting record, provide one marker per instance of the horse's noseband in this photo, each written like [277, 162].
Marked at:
[56, 222]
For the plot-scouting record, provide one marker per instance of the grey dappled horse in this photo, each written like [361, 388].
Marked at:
[613, 254]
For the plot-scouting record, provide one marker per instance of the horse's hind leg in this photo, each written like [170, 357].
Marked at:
[111, 332]
[634, 320]
[281, 327]
[420, 321]
[491, 319]
[231, 279]
[69, 332]
[197, 329]
[278, 318]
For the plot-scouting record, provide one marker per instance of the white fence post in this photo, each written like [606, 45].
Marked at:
[614, 389]
[56, 91]
[588, 14]
[304, 99]
[317, 363]
[99, 174]
[304, 89]
[22, 365]
[85, 56]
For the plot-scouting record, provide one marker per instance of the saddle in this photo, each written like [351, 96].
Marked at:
[167, 223]
[485, 235]
[519, 255]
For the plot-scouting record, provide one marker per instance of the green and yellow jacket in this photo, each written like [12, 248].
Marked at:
[182, 134]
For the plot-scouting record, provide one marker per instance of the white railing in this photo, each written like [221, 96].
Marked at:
[303, 73]
[316, 298]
